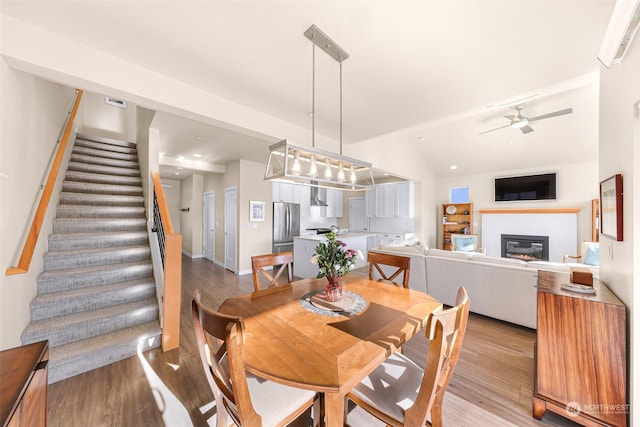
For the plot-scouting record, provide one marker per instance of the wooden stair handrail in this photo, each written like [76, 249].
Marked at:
[32, 238]
[172, 271]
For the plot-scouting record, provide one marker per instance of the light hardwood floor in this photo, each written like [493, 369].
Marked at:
[494, 372]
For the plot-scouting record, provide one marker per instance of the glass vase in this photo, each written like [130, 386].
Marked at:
[333, 290]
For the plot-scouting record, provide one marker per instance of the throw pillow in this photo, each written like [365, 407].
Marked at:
[592, 256]
[464, 244]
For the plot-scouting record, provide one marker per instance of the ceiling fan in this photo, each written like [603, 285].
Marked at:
[518, 121]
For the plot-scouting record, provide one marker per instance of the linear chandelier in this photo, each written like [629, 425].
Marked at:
[309, 165]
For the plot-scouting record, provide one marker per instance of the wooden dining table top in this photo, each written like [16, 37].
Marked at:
[289, 344]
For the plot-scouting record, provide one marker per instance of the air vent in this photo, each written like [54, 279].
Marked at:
[115, 102]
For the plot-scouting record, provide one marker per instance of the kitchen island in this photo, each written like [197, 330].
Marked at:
[304, 247]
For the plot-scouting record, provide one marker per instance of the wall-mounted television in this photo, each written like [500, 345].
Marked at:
[527, 187]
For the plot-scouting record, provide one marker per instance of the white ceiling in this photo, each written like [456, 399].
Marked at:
[422, 71]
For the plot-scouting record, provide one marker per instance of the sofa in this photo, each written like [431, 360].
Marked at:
[501, 288]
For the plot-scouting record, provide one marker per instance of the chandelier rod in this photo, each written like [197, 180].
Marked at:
[313, 96]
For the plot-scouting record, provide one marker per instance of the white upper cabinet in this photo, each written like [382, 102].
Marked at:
[335, 202]
[393, 200]
[293, 193]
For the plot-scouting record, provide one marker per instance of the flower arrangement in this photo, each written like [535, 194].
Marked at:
[333, 259]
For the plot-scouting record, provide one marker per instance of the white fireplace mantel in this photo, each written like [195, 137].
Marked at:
[561, 225]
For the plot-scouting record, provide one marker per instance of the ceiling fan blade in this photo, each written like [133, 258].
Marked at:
[501, 127]
[511, 117]
[526, 129]
[554, 114]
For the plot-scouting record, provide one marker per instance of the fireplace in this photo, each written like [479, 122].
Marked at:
[525, 248]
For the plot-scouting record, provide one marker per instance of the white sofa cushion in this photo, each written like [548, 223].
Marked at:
[449, 254]
[497, 260]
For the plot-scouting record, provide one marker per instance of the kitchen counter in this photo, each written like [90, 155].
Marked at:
[343, 237]
[304, 247]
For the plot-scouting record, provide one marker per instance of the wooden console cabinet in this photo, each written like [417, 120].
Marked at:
[581, 362]
[23, 385]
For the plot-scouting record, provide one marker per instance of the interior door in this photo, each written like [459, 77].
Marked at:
[357, 215]
[208, 201]
[230, 227]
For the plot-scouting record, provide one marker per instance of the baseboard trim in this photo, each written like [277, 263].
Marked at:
[187, 254]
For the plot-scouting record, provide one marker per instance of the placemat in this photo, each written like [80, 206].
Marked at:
[359, 304]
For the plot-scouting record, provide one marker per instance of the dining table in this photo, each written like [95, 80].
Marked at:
[291, 340]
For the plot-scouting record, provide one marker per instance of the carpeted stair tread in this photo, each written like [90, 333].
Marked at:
[81, 356]
[67, 241]
[96, 188]
[97, 225]
[100, 161]
[62, 303]
[79, 326]
[100, 199]
[101, 178]
[74, 278]
[97, 301]
[103, 169]
[78, 258]
[88, 211]
[105, 140]
[85, 143]
[104, 154]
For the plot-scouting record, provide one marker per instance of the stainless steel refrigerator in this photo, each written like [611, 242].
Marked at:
[286, 225]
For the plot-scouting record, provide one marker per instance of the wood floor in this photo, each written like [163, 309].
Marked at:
[494, 372]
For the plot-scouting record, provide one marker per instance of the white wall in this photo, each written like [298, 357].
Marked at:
[577, 186]
[254, 238]
[107, 120]
[191, 190]
[33, 112]
[620, 153]
[173, 197]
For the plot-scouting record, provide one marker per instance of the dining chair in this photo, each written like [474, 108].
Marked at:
[280, 260]
[249, 400]
[401, 393]
[401, 263]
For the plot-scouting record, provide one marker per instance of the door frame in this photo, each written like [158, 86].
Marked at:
[227, 225]
[204, 224]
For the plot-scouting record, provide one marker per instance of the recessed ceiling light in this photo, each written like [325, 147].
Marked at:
[453, 167]
[176, 173]
[199, 138]
[421, 138]
[197, 155]
[180, 167]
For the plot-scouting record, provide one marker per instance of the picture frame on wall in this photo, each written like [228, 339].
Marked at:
[611, 207]
[256, 211]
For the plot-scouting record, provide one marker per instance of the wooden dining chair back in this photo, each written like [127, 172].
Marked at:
[399, 392]
[402, 266]
[220, 344]
[281, 261]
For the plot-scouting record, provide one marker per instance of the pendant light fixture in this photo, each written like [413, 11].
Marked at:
[291, 163]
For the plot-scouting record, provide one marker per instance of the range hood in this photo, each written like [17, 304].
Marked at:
[315, 198]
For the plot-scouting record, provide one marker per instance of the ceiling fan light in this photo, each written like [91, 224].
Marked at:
[519, 123]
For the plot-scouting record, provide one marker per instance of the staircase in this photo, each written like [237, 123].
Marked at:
[96, 301]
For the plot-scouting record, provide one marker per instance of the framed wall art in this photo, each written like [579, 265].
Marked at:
[256, 211]
[611, 207]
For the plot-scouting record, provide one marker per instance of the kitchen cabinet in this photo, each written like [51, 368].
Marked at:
[385, 239]
[293, 193]
[24, 379]
[335, 202]
[391, 200]
[580, 354]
